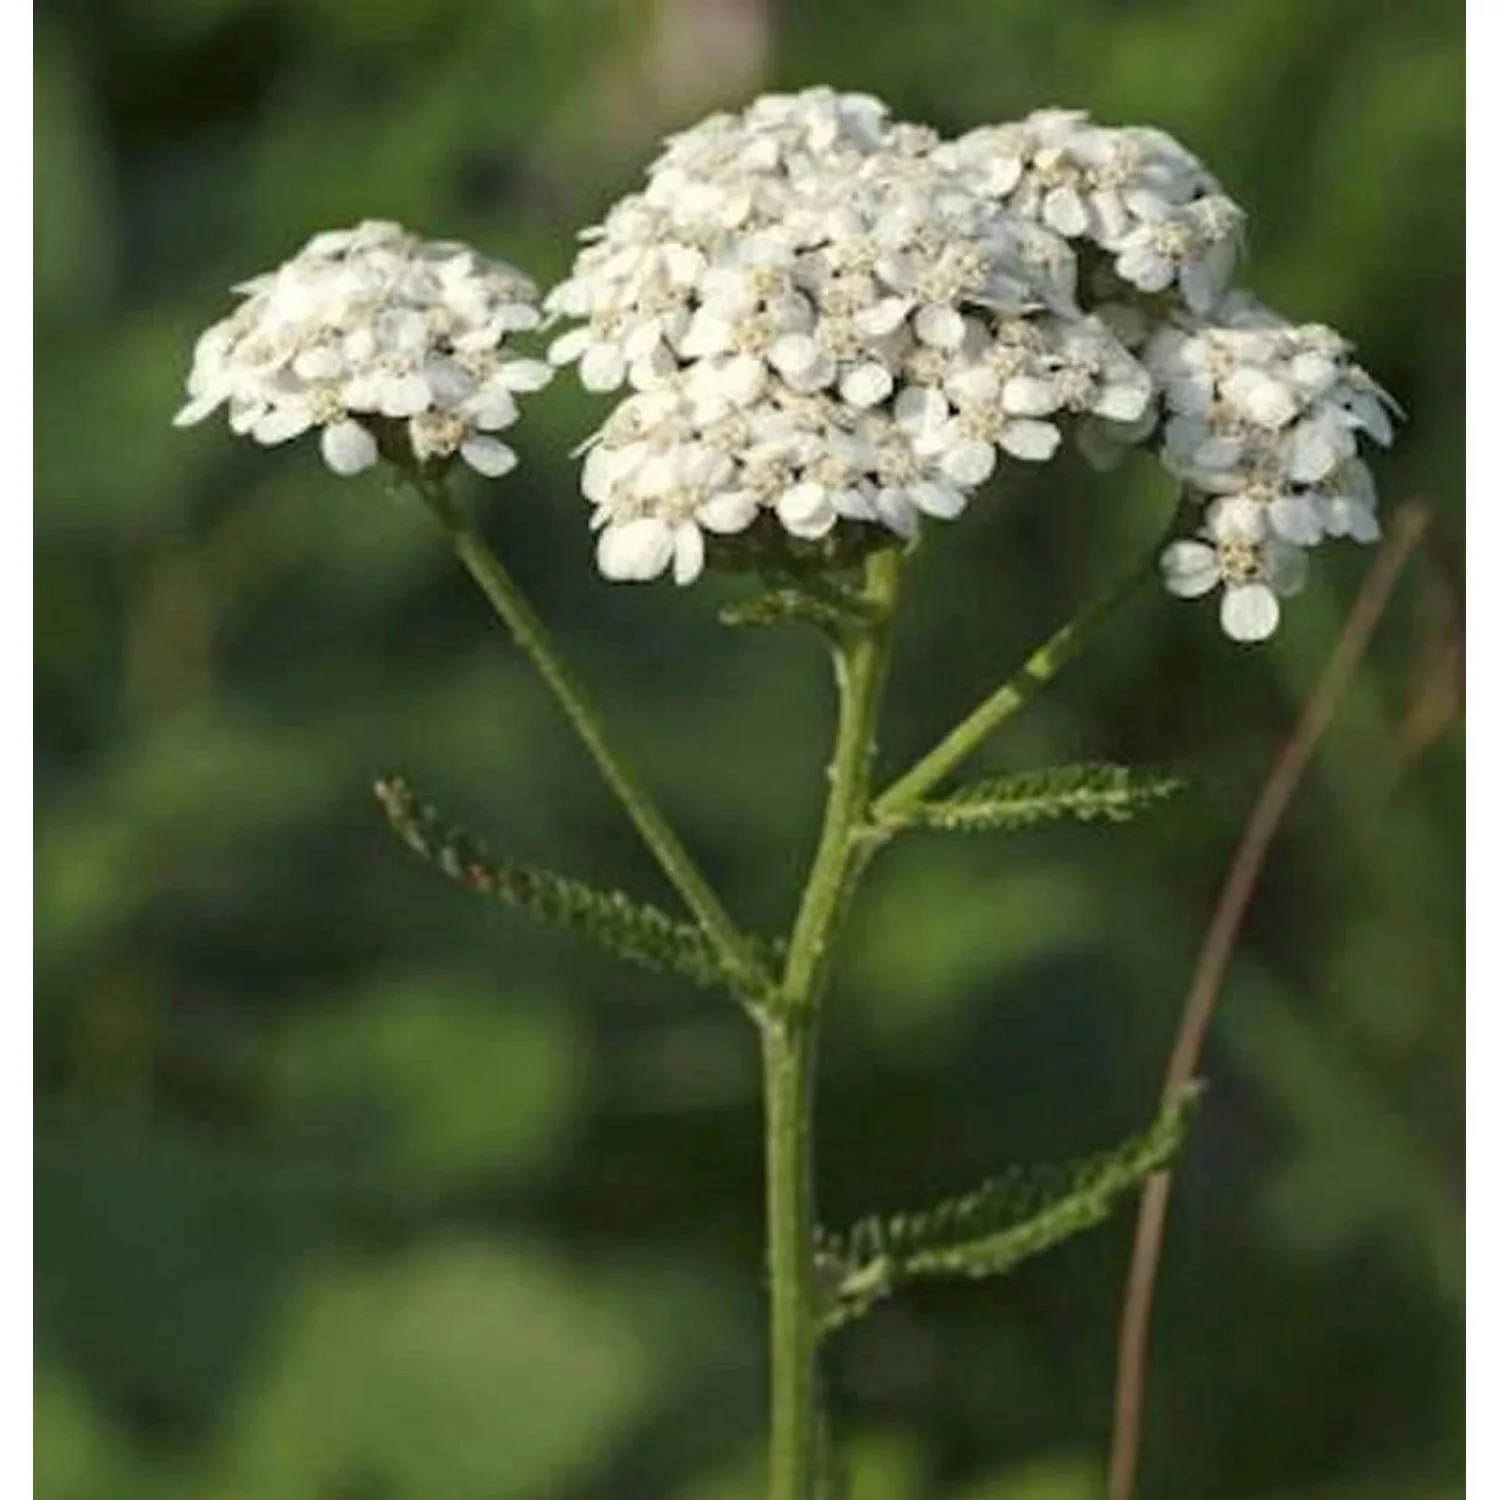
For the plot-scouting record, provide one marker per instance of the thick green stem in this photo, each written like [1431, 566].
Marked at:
[506, 599]
[966, 737]
[789, 1055]
[790, 1039]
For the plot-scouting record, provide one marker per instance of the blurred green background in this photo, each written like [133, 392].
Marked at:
[349, 1187]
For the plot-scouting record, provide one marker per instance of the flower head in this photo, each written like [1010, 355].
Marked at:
[380, 340]
[1263, 421]
[1133, 191]
[823, 325]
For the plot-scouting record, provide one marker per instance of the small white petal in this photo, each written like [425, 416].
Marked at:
[641, 341]
[524, 374]
[728, 513]
[488, 456]
[741, 379]
[866, 385]
[516, 317]
[198, 408]
[1203, 280]
[1295, 518]
[1027, 439]
[321, 362]
[1123, 401]
[347, 447]
[448, 382]
[882, 319]
[1315, 449]
[1237, 518]
[806, 510]
[920, 408]
[651, 371]
[941, 327]
[1189, 569]
[1063, 210]
[602, 367]
[934, 498]
[856, 504]
[1146, 268]
[1368, 411]
[281, 423]
[968, 462]
[896, 511]
[794, 354]
[687, 553]
[1342, 515]
[569, 346]
[707, 334]
[492, 408]
[1266, 401]
[1314, 372]
[1002, 173]
[1030, 396]
[635, 551]
[1221, 451]
[405, 396]
[245, 413]
[1249, 612]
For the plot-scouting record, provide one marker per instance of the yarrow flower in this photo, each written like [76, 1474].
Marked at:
[823, 329]
[1134, 192]
[825, 324]
[1263, 420]
[384, 342]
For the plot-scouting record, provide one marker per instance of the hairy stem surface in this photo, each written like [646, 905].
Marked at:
[508, 602]
[790, 1039]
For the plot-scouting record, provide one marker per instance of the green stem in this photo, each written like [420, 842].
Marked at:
[898, 799]
[789, 1053]
[790, 1039]
[508, 602]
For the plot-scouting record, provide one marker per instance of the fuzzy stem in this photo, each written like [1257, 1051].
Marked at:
[508, 602]
[790, 1039]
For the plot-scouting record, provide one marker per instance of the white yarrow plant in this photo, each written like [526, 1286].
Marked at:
[819, 331]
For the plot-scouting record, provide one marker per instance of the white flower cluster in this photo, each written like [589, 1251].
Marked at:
[823, 320]
[1132, 191]
[820, 322]
[371, 334]
[1262, 427]
[826, 326]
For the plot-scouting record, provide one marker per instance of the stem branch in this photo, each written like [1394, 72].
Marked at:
[965, 738]
[531, 635]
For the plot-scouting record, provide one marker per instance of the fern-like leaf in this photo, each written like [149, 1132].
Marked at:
[1085, 792]
[992, 1229]
[630, 929]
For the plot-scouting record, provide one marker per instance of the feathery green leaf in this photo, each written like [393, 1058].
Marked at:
[630, 929]
[1087, 791]
[1001, 1223]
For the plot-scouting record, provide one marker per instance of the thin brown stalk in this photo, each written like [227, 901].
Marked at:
[1408, 525]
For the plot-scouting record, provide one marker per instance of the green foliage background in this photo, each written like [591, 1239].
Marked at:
[350, 1186]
